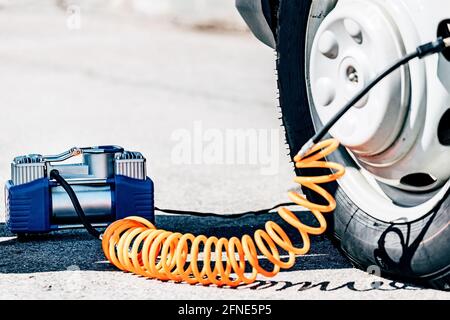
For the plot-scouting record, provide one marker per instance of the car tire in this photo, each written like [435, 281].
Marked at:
[417, 251]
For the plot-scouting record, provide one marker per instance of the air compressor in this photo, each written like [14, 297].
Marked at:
[110, 183]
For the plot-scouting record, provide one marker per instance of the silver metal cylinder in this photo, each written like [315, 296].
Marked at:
[100, 165]
[96, 202]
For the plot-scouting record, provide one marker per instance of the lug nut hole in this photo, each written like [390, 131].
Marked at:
[352, 75]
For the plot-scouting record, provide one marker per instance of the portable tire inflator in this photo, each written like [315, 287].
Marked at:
[111, 185]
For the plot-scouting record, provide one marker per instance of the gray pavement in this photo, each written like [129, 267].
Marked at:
[134, 80]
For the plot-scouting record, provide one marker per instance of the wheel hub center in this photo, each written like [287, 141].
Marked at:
[353, 44]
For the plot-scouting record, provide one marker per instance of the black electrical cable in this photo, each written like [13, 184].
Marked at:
[54, 174]
[422, 51]
[225, 215]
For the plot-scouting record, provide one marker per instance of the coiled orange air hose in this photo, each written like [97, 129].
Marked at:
[136, 245]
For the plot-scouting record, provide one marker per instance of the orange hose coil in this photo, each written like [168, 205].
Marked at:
[136, 245]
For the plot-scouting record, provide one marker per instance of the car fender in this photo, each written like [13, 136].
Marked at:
[253, 13]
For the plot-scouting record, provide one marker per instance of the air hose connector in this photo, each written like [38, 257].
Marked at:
[439, 45]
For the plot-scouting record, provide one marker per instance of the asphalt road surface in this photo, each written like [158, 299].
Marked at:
[138, 81]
